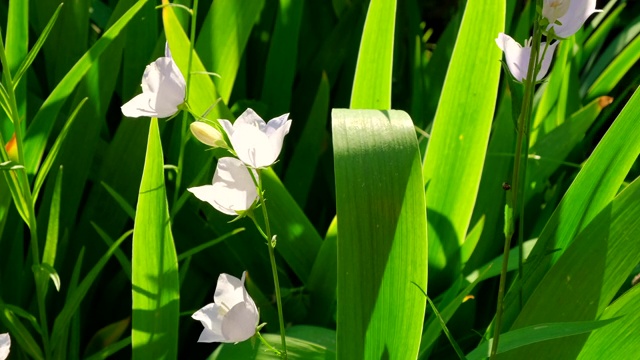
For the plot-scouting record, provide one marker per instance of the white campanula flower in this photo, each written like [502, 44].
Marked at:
[257, 143]
[163, 90]
[5, 344]
[571, 14]
[232, 190]
[232, 317]
[517, 57]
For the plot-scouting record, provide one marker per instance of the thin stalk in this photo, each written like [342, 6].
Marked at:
[23, 183]
[185, 114]
[514, 201]
[274, 268]
[269, 346]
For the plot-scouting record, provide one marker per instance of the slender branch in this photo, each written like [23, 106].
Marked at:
[274, 268]
[515, 199]
[185, 114]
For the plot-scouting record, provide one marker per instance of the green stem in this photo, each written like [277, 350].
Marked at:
[185, 114]
[269, 346]
[274, 268]
[515, 200]
[23, 184]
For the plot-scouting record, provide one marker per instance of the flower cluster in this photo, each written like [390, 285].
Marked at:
[561, 18]
[233, 316]
[257, 145]
[5, 344]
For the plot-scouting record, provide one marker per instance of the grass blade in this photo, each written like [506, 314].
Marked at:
[156, 287]
[372, 82]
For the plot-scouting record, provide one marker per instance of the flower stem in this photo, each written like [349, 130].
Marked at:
[274, 268]
[269, 346]
[515, 200]
[185, 114]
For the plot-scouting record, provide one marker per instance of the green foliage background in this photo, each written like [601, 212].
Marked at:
[87, 178]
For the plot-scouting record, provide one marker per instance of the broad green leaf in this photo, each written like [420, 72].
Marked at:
[372, 82]
[156, 288]
[593, 267]
[382, 249]
[282, 58]
[537, 334]
[223, 38]
[53, 232]
[460, 136]
[620, 339]
[42, 124]
[591, 191]
[551, 149]
[597, 39]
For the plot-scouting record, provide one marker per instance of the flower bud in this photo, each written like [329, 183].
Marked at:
[207, 134]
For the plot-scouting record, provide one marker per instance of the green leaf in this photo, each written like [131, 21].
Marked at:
[591, 191]
[322, 285]
[620, 339]
[156, 287]
[593, 267]
[282, 58]
[53, 152]
[43, 121]
[223, 38]
[75, 297]
[372, 82]
[382, 251]
[36, 47]
[460, 136]
[616, 70]
[304, 161]
[303, 342]
[536, 334]
[19, 332]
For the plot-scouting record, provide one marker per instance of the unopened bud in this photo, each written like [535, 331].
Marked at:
[207, 134]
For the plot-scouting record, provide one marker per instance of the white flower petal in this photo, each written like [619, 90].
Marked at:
[253, 146]
[249, 117]
[163, 91]
[546, 62]
[5, 345]
[517, 57]
[211, 317]
[239, 324]
[227, 126]
[138, 106]
[229, 290]
[573, 18]
[278, 122]
[233, 188]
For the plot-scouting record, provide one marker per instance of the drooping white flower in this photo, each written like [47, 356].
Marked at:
[570, 13]
[232, 317]
[257, 143]
[517, 57]
[232, 190]
[163, 90]
[5, 344]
